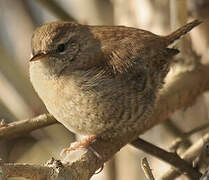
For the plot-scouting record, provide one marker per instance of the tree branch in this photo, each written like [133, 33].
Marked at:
[169, 157]
[188, 156]
[19, 128]
[28, 171]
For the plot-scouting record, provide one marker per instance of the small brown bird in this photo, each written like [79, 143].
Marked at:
[100, 80]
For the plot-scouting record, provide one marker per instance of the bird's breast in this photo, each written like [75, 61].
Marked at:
[88, 112]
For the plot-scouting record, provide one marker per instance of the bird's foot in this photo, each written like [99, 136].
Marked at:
[86, 145]
[83, 144]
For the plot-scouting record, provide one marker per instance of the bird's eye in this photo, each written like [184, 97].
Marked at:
[61, 48]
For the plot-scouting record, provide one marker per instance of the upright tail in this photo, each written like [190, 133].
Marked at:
[182, 31]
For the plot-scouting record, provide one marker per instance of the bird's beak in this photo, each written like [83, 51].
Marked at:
[38, 56]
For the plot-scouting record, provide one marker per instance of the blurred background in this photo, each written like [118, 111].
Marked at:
[18, 101]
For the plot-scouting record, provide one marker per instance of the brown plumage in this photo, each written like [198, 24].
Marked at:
[100, 80]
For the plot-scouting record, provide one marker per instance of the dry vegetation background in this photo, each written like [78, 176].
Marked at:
[18, 101]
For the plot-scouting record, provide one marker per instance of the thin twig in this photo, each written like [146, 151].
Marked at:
[171, 158]
[147, 170]
[178, 134]
[188, 156]
[19, 128]
[183, 137]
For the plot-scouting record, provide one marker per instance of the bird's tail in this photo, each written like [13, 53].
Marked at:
[181, 31]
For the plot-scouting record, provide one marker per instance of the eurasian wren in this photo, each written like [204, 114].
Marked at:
[100, 80]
